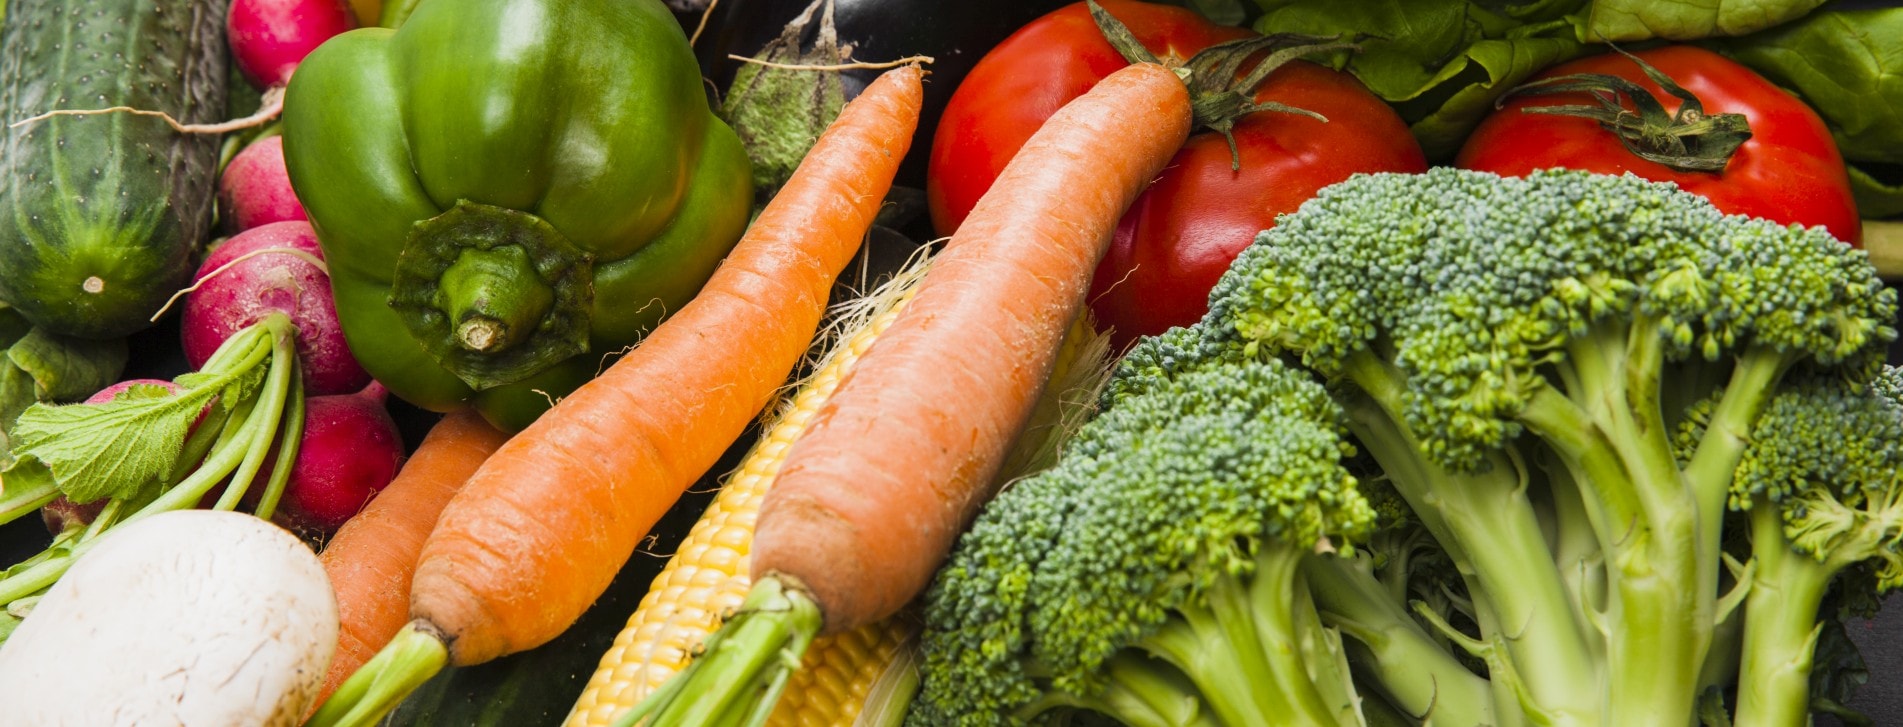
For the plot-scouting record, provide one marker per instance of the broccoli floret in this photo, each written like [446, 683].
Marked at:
[1545, 394]
[1466, 311]
[1822, 486]
[1175, 522]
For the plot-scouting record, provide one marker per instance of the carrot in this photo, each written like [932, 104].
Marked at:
[540, 530]
[372, 557]
[896, 464]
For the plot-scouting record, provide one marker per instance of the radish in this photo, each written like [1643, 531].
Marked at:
[351, 450]
[274, 267]
[270, 37]
[189, 617]
[255, 188]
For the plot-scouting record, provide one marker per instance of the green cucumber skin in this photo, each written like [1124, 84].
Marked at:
[101, 216]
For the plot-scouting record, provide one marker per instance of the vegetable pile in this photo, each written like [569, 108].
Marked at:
[1167, 363]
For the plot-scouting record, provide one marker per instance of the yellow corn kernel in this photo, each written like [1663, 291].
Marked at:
[707, 577]
[838, 673]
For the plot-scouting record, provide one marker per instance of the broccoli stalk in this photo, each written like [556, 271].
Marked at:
[1820, 485]
[1410, 669]
[1492, 532]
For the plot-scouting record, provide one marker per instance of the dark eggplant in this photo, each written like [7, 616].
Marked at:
[956, 33]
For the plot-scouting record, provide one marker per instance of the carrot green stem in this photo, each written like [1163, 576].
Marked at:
[742, 668]
[411, 658]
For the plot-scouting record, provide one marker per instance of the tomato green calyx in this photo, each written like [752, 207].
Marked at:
[1220, 94]
[493, 294]
[1688, 141]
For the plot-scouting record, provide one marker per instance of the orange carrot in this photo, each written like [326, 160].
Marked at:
[372, 557]
[537, 534]
[898, 461]
[872, 496]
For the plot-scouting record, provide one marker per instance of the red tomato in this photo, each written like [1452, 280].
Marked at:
[1182, 233]
[1789, 171]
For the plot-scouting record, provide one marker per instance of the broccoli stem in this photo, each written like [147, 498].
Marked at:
[1140, 691]
[1753, 383]
[1409, 667]
[1577, 552]
[1780, 627]
[1659, 619]
[1491, 528]
[1242, 646]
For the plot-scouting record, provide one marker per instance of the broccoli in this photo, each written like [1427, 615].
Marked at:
[1543, 450]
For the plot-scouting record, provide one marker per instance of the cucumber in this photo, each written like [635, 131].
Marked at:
[101, 216]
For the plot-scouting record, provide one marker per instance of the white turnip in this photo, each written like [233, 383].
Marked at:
[189, 617]
[274, 267]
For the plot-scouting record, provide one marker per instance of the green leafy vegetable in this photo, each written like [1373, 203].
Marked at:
[1848, 65]
[150, 450]
[119, 448]
[1875, 197]
[64, 368]
[1442, 63]
[1629, 20]
[41, 367]
[1223, 12]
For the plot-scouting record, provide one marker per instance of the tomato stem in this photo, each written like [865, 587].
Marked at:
[1690, 140]
[1220, 92]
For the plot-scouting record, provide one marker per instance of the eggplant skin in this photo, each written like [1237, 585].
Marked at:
[954, 33]
[101, 216]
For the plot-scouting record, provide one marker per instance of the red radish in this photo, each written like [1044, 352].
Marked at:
[270, 37]
[62, 513]
[350, 451]
[256, 190]
[274, 267]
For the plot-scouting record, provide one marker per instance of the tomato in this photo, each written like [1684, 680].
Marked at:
[1183, 232]
[1789, 170]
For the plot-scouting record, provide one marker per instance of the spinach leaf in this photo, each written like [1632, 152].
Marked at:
[1442, 63]
[1848, 65]
[1632, 20]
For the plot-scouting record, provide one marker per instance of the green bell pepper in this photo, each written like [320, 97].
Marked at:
[508, 192]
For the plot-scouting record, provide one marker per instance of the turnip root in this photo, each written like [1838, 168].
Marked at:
[255, 188]
[273, 267]
[351, 450]
[189, 617]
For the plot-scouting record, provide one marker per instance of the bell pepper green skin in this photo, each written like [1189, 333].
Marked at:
[509, 192]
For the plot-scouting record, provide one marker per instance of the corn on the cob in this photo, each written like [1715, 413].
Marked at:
[838, 672]
[708, 578]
